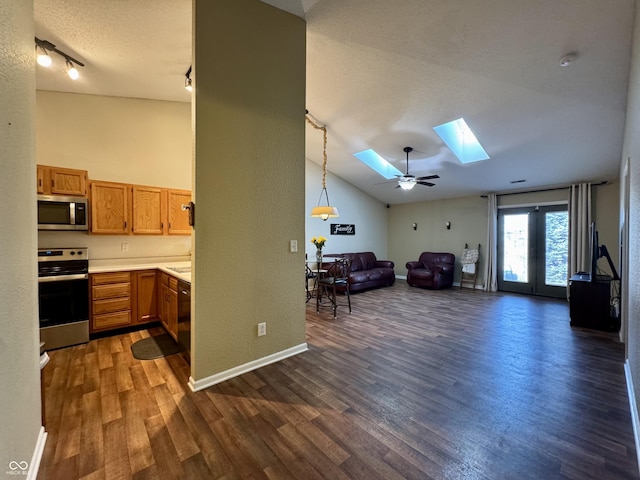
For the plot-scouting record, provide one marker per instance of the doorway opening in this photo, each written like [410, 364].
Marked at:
[533, 249]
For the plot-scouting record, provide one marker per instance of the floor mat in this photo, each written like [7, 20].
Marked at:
[155, 347]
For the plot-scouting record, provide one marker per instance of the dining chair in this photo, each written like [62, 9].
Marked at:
[332, 283]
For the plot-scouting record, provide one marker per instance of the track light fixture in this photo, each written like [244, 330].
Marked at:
[188, 83]
[43, 47]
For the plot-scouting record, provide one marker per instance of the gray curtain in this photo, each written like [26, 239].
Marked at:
[579, 222]
[491, 263]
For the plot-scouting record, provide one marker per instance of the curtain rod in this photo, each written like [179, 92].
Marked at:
[550, 189]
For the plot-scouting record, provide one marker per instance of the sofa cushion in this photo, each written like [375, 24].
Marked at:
[367, 259]
[356, 264]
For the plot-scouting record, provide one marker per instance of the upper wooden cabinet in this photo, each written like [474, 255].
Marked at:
[61, 181]
[178, 217]
[110, 208]
[149, 210]
[124, 209]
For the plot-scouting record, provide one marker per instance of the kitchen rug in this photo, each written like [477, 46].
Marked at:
[155, 347]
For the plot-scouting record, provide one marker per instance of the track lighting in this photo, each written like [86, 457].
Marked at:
[43, 58]
[72, 71]
[188, 83]
[43, 47]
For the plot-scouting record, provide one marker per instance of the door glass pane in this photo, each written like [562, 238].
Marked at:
[556, 248]
[516, 245]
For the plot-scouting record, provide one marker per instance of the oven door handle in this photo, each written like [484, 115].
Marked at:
[63, 278]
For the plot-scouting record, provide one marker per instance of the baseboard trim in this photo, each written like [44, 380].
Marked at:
[197, 385]
[455, 284]
[34, 466]
[635, 419]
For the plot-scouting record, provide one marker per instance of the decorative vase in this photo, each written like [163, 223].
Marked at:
[319, 256]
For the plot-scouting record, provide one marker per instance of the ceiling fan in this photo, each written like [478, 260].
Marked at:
[407, 181]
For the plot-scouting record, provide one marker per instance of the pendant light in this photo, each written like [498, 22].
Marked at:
[323, 211]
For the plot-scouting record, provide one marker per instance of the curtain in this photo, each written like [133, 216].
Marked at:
[579, 223]
[491, 264]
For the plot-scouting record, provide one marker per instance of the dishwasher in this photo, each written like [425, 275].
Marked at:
[184, 319]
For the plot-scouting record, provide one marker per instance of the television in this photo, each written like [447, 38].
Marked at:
[596, 251]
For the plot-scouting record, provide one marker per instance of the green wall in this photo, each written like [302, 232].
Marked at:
[249, 106]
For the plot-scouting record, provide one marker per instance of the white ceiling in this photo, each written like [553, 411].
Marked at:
[381, 74]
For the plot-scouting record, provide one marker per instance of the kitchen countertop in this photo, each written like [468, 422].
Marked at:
[165, 267]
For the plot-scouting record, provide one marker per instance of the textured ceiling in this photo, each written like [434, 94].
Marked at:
[381, 74]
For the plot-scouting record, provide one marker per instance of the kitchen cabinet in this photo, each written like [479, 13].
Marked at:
[61, 181]
[169, 304]
[110, 301]
[146, 296]
[110, 208]
[124, 209]
[178, 218]
[149, 210]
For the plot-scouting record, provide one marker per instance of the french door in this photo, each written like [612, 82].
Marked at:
[533, 248]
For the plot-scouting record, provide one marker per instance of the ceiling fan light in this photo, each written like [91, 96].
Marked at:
[406, 185]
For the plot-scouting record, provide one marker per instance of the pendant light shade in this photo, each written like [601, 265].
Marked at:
[323, 211]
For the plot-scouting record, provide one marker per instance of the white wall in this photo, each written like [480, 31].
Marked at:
[355, 207]
[129, 140]
[19, 340]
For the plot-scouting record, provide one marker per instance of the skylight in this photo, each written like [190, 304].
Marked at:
[461, 140]
[379, 164]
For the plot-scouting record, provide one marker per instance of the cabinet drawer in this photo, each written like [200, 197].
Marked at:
[173, 283]
[115, 290]
[111, 320]
[111, 277]
[111, 305]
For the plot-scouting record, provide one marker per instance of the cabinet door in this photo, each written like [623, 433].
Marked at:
[149, 210]
[172, 324]
[65, 181]
[110, 206]
[147, 300]
[178, 218]
[164, 300]
[40, 179]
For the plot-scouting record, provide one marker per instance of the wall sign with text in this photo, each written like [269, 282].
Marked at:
[342, 229]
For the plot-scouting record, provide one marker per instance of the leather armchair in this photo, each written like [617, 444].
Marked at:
[432, 270]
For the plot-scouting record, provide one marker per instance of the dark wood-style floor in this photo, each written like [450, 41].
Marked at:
[414, 384]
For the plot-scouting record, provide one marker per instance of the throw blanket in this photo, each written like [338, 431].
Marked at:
[469, 256]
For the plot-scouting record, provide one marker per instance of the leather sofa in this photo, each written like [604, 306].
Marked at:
[367, 271]
[432, 270]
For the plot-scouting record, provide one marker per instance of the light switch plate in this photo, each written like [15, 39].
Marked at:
[293, 246]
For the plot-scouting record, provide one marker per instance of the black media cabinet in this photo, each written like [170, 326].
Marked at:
[590, 303]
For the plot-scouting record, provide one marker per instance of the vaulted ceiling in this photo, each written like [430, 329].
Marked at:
[382, 74]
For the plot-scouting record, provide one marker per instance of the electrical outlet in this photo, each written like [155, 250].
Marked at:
[262, 329]
[124, 247]
[293, 246]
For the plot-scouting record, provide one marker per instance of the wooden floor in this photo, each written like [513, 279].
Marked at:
[414, 384]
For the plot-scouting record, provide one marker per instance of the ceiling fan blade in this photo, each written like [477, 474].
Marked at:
[384, 183]
[428, 177]
[397, 186]
[428, 184]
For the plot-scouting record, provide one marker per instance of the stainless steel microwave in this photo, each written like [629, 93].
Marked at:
[56, 212]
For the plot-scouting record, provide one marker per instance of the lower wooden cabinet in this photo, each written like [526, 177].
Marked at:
[169, 304]
[110, 301]
[123, 299]
[146, 296]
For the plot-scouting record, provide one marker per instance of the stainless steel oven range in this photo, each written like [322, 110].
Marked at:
[63, 296]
